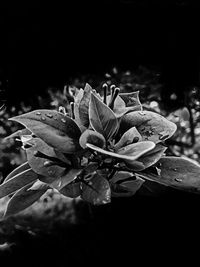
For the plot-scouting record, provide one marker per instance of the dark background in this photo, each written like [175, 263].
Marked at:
[44, 46]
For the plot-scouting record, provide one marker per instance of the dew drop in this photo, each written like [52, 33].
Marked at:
[142, 113]
[178, 179]
[49, 115]
[43, 119]
[47, 163]
[38, 113]
[63, 120]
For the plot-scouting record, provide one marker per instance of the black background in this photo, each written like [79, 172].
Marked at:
[44, 46]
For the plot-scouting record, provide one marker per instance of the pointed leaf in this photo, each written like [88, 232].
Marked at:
[176, 172]
[132, 100]
[21, 168]
[151, 126]
[102, 118]
[118, 104]
[129, 137]
[84, 105]
[148, 159]
[92, 137]
[18, 133]
[17, 182]
[40, 165]
[23, 199]
[130, 152]
[54, 128]
[97, 192]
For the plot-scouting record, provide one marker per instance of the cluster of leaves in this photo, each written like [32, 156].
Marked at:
[95, 148]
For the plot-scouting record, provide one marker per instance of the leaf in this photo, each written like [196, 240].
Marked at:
[54, 128]
[176, 172]
[64, 180]
[147, 160]
[97, 192]
[84, 106]
[150, 125]
[43, 166]
[18, 134]
[92, 137]
[128, 138]
[37, 185]
[130, 152]
[17, 182]
[132, 100]
[125, 184]
[120, 176]
[23, 199]
[118, 104]
[102, 118]
[72, 190]
[77, 101]
[21, 168]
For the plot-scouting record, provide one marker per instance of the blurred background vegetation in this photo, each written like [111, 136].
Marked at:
[150, 46]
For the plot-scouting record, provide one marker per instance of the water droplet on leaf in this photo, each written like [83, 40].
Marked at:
[49, 115]
[38, 113]
[178, 179]
[63, 120]
[43, 119]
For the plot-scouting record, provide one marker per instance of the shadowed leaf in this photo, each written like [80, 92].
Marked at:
[129, 137]
[72, 190]
[97, 191]
[92, 137]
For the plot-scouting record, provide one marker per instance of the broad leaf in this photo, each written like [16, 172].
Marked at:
[40, 165]
[24, 198]
[129, 137]
[84, 106]
[130, 152]
[17, 182]
[92, 137]
[176, 172]
[54, 128]
[72, 190]
[21, 168]
[151, 126]
[148, 159]
[97, 191]
[102, 118]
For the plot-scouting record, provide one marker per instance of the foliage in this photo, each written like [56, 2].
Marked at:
[95, 148]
